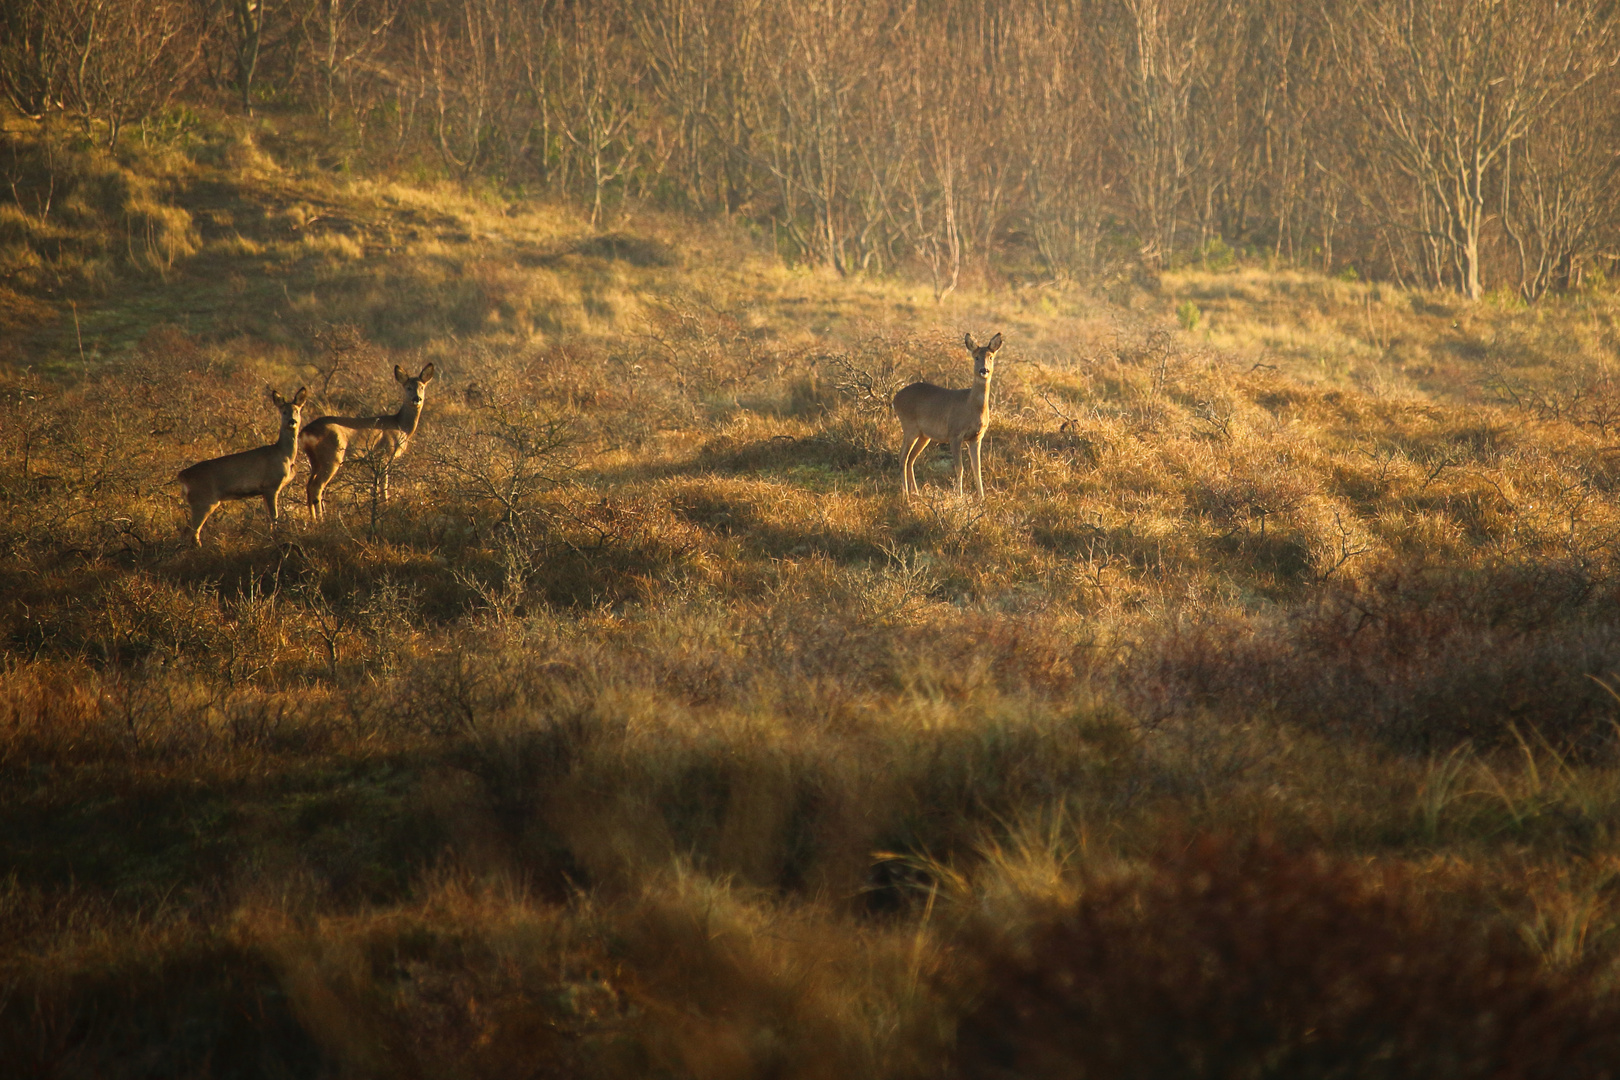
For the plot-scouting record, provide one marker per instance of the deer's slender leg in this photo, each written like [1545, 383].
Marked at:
[320, 474]
[923, 443]
[908, 471]
[978, 476]
[908, 450]
[200, 513]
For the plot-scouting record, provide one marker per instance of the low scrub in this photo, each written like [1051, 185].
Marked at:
[639, 726]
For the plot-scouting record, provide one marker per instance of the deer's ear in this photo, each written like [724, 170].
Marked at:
[275, 395]
[301, 397]
[399, 374]
[427, 374]
[967, 339]
[995, 343]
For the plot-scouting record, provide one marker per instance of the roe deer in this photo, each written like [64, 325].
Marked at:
[262, 471]
[933, 413]
[328, 439]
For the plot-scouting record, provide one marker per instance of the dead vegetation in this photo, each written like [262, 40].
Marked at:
[642, 728]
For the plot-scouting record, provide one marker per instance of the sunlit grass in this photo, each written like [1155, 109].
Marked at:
[646, 726]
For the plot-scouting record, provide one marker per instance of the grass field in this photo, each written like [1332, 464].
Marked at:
[1260, 722]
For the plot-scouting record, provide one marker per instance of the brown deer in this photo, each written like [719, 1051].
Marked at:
[930, 413]
[262, 471]
[328, 440]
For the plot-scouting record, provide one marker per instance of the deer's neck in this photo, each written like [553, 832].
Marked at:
[406, 419]
[287, 444]
[979, 397]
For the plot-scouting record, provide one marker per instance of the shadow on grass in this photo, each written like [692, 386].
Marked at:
[639, 251]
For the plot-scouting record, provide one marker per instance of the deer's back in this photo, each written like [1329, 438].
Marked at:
[339, 432]
[244, 473]
[326, 426]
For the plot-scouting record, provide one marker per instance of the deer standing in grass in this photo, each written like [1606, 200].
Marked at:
[262, 471]
[328, 439]
[930, 413]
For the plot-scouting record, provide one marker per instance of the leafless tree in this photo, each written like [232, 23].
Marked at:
[469, 65]
[814, 70]
[598, 101]
[345, 37]
[1155, 58]
[1560, 189]
[33, 56]
[1456, 143]
[256, 29]
[1444, 88]
[113, 62]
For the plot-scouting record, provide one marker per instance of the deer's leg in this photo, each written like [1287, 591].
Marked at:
[956, 462]
[915, 445]
[199, 515]
[390, 448]
[270, 499]
[320, 474]
[978, 476]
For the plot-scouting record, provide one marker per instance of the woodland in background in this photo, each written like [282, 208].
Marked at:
[1449, 144]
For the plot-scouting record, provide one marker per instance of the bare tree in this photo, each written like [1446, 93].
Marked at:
[1443, 142]
[1560, 186]
[599, 104]
[344, 36]
[683, 43]
[33, 56]
[1443, 89]
[469, 67]
[1154, 55]
[815, 67]
[112, 61]
[1060, 130]
[255, 29]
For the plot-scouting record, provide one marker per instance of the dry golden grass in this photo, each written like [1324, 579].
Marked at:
[646, 729]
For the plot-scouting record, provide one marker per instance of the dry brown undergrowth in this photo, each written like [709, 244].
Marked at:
[645, 729]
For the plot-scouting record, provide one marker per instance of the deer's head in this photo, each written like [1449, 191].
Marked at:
[414, 385]
[290, 410]
[984, 356]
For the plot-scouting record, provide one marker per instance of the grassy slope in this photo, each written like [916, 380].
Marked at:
[579, 751]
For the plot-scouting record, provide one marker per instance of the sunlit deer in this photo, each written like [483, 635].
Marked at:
[930, 413]
[262, 471]
[329, 439]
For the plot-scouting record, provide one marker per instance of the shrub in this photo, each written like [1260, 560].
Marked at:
[1188, 315]
[1244, 959]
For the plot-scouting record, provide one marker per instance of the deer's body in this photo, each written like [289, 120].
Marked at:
[930, 413]
[262, 471]
[328, 440]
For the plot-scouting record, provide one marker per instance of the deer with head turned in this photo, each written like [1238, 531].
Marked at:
[328, 440]
[930, 413]
[262, 471]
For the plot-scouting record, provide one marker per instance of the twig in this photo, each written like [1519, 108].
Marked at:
[1068, 421]
[83, 364]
